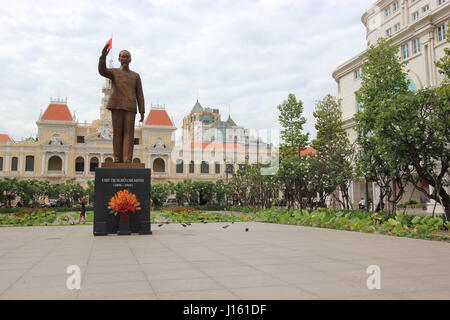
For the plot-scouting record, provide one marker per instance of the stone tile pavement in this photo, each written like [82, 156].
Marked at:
[205, 261]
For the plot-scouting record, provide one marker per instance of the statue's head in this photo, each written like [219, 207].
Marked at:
[124, 58]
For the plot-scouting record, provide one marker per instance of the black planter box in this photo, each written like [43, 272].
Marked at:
[110, 180]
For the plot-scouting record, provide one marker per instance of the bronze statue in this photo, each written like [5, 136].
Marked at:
[126, 92]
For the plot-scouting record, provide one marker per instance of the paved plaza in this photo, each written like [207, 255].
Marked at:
[206, 261]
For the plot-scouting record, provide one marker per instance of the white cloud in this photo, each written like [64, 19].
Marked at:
[245, 56]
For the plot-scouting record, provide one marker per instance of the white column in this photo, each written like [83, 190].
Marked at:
[66, 163]
[44, 155]
[433, 69]
[101, 159]
[86, 165]
[169, 166]
[7, 162]
[405, 14]
[21, 162]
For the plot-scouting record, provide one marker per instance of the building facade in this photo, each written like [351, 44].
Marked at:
[66, 148]
[419, 28]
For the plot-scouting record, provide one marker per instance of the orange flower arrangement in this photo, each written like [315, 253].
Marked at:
[123, 202]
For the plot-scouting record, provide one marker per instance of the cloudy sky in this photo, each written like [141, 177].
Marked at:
[241, 56]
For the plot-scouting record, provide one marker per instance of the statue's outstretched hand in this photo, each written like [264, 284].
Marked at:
[105, 50]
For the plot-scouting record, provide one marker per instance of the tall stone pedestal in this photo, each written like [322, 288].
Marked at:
[110, 180]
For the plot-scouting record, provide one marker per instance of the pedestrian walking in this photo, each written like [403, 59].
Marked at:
[83, 211]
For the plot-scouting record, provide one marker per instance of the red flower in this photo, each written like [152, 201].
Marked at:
[123, 202]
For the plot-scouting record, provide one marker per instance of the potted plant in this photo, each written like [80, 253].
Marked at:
[124, 203]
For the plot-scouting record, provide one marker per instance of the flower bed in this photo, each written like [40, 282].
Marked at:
[420, 227]
[28, 219]
[31, 210]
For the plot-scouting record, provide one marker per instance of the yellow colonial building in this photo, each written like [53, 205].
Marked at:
[66, 148]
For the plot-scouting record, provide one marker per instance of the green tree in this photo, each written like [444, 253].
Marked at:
[34, 191]
[331, 168]
[291, 172]
[2, 191]
[292, 177]
[181, 191]
[220, 190]
[292, 120]
[90, 190]
[254, 188]
[26, 190]
[203, 190]
[159, 192]
[9, 189]
[419, 140]
[71, 191]
[444, 63]
[383, 81]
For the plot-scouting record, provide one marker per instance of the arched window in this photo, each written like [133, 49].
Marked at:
[29, 163]
[191, 167]
[179, 166]
[136, 160]
[14, 164]
[1, 163]
[54, 163]
[204, 167]
[159, 165]
[79, 164]
[93, 164]
[108, 160]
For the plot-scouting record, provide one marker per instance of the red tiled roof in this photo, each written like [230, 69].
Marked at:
[5, 138]
[307, 150]
[158, 118]
[57, 112]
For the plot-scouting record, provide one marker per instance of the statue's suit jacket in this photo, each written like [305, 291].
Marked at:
[126, 88]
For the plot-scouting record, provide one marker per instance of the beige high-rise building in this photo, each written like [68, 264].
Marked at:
[66, 148]
[419, 28]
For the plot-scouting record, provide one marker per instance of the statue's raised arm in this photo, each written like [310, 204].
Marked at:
[102, 69]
